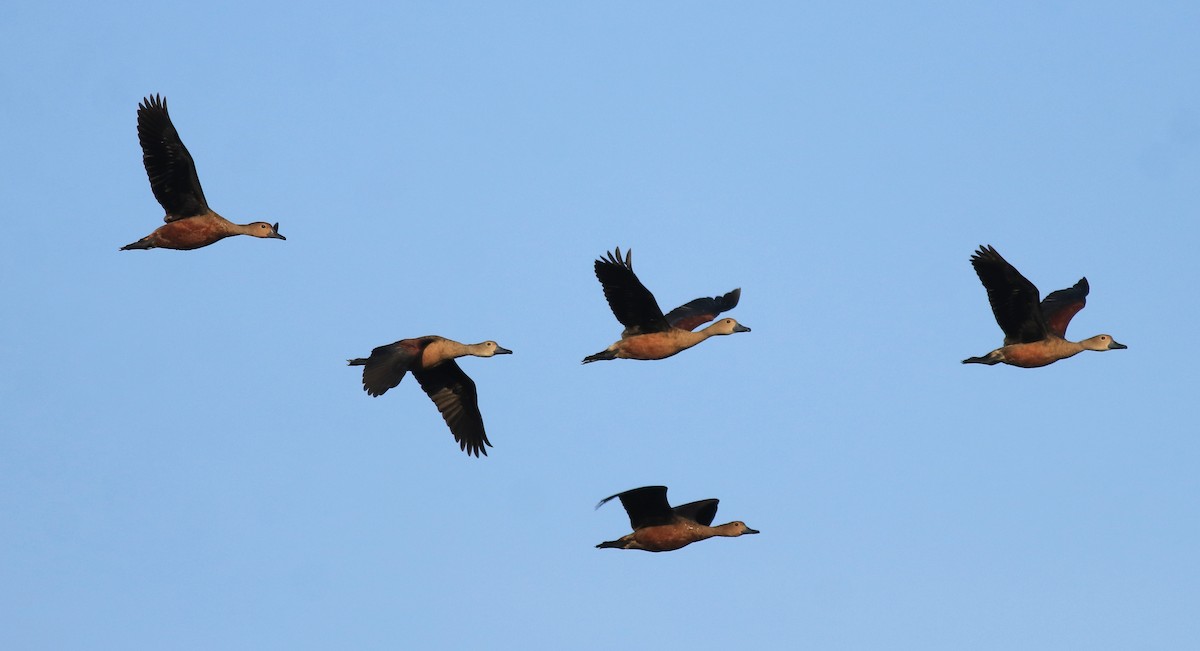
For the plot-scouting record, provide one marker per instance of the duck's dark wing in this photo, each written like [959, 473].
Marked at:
[168, 163]
[702, 310]
[387, 365]
[1061, 306]
[1014, 299]
[455, 396]
[647, 506]
[703, 511]
[632, 304]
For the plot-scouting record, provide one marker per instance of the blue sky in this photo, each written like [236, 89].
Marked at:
[186, 462]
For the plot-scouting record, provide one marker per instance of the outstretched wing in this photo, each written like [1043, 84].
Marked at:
[1061, 306]
[632, 304]
[647, 506]
[702, 511]
[168, 163]
[702, 310]
[387, 365]
[455, 396]
[1014, 299]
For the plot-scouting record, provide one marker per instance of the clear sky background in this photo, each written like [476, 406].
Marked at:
[187, 462]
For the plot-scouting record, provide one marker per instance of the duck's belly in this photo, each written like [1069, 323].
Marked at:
[664, 539]
[1041, 353]
[652, 346]
[190, 233]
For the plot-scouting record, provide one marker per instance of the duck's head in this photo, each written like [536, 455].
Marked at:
[737, 528]
[1102, 342]
[727, 327]
[263, 229]
[489, 348]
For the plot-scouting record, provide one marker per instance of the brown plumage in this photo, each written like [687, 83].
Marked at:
[1034, 333]
[190, 223]
[649, 334]
[659, 528]
[431, 361]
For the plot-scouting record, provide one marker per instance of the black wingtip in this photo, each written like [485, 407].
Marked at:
[606, 501]
[985, 252]
[475, 450]
[154, 102]
[730, 300]
[614, 257]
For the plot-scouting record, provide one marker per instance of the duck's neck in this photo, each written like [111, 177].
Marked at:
[444, 349]
[689, 338]
[441, 350]
[729, 530]
[479, 350]
[1068, 348]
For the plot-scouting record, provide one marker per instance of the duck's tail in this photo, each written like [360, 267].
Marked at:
[611, 544]
[600, 356]
[143, 243]
[986, 359]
